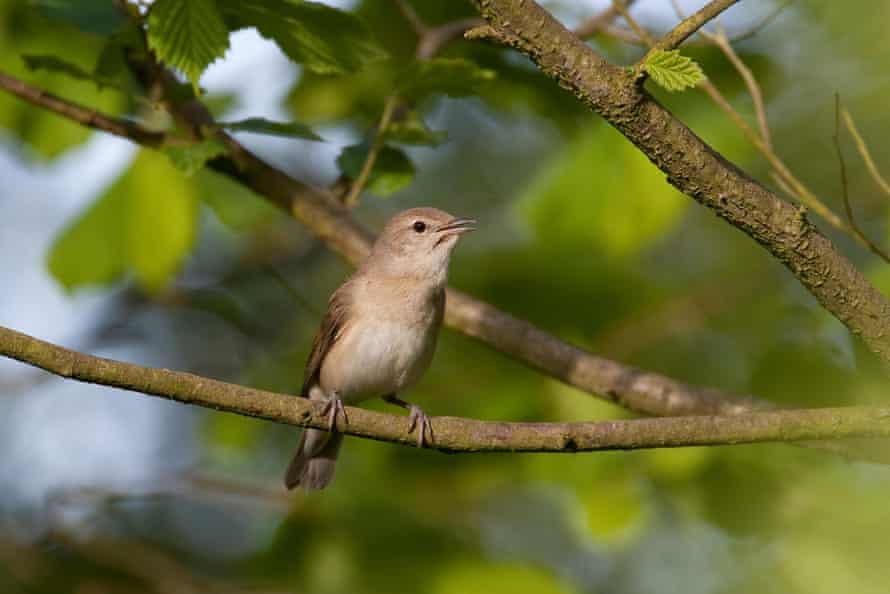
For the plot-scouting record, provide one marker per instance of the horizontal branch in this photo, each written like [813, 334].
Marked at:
[452, 434]
[635, 389]
[694, 167]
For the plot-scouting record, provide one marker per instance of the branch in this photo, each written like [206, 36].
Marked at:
[694, 167]
[82, 115]
[454, 434]
[691, 24]
[602, 20]
[845, 189]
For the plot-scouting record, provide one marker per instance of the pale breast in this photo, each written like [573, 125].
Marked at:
[387, 346]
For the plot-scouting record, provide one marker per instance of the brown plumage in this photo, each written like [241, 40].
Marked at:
[379, 333]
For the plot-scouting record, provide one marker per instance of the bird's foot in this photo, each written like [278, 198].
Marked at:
[332, 408]
[419, 420]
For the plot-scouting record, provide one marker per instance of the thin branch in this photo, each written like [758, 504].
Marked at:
[722, 42]
[435, 39]
[865, 153]
[82, 115]
[845, 190]
[412, 17]
[377, 143]
[599, 22]
[452, 434]
[430, 42]
[621, 7]
[763, 23]
[691, 24]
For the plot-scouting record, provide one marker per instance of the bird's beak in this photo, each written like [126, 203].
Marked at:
[457, 226]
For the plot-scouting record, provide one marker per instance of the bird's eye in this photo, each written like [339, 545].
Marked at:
[419, 226]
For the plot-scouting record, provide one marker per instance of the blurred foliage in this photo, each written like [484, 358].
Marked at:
[579, 234]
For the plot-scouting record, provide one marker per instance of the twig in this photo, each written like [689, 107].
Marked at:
[455, 434]
[865, 153]
[435, 39]
[759, 26]
[691, 24]
[621, 7]
[412, 17]
[845, 192]
[722, 41]
[355, 189]
[598, 22]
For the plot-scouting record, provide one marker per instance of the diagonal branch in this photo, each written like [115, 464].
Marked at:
[451, 434]
[691, 24]
[694, 167]
[635, 389]
[82, 115]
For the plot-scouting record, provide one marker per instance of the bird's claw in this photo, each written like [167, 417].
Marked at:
[332, 408]
[419, 420]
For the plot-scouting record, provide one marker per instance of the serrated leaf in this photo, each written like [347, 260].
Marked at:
[93, 16]
[132, 227]
[324, 39]
[673, 71]
[392, 171]
[413, 130]
[187, 34]
[264, 126]
[189, 158]
[454, 77]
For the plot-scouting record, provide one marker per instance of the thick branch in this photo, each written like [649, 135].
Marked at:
[452, 434]
[695, 168]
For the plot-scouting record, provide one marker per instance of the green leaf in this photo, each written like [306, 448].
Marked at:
[161, 225]
[392, 171]
[187, 34]
[413, 130]
[234, 205]
[455, 77]
[93, 16]
[90, 251]
[572, 206]
[131, 227]
[263, 126]
[324, 39]
[189, 158]
[673, 71]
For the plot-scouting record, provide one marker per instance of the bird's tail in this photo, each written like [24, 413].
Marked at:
[312, 466]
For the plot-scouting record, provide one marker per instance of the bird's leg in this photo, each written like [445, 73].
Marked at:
[332, 408]
[417, 417]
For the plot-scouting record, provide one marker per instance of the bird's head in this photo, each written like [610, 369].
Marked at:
[417, 243]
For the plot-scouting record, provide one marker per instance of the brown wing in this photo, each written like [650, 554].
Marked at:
[330, 330]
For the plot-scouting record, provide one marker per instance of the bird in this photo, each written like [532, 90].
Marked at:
[378, 335]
